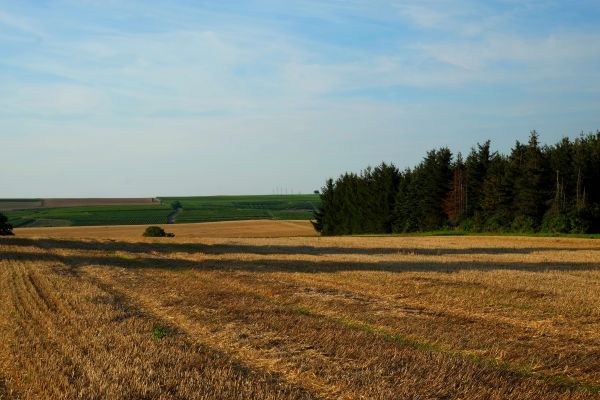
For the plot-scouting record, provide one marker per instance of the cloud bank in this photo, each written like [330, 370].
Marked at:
[243, 97]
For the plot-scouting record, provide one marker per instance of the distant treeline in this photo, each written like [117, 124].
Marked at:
[534, 188]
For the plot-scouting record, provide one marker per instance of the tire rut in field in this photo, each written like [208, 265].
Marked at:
[49, 332]
[356, 323]
[52, 325]
[209, 336]
[6, 325]
[349, 317]
[320, 336]
[153, 301]
[169, 320]
[464, 333]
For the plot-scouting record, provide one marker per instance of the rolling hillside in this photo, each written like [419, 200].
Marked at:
[91, 212]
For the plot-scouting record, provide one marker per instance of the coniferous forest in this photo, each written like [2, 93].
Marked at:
[535, 188]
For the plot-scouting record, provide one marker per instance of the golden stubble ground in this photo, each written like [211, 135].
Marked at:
[227, 229]
[276, 317]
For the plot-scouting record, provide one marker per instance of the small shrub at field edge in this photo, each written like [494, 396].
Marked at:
[5, 227]
[157, 231]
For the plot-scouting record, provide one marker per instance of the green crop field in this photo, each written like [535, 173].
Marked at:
[221, 208]
[193, 209]
[90, 215]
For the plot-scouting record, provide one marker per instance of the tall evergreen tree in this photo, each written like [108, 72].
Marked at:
[476, 164]
[405, 208]
[324, 218]
[497, 195]
[383, 189]
[455, 202]
[434, 180]
[531, 194]
[553, 188]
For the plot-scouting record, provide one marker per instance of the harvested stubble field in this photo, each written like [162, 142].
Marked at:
[300, 318]
[227, 229]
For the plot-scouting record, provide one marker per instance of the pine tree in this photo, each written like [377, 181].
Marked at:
[325, 213]
[405, 208]
[455, 202]
[531, 195]
[434, 185]
[383, 190]
[497, 195]
[553, 188]
[477, 164]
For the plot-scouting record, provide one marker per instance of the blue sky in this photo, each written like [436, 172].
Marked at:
[143, 98]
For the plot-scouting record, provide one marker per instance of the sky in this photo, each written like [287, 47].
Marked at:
[107, 98]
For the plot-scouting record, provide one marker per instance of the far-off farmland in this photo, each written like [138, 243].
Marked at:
[94, 313]
[160, 210]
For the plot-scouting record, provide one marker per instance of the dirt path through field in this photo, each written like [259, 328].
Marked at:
[171, 217]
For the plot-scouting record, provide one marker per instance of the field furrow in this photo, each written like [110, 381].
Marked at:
[495, 337]
[87, 342]
[324, 352]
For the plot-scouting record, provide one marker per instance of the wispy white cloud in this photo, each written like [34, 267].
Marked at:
[19, 23]
[51, 100]
[272, 84]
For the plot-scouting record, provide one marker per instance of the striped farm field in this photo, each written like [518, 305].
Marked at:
[21, 204]
[270, 314]
[225, 208]
[91, 215]
[131, 211]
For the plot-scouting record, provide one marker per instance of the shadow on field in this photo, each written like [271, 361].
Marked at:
[154, 261]
[220, 249]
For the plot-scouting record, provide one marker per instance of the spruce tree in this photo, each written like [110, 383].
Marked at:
[405, 208]
[434, 185]
[324, 214]
[497, 196]
[455, 201]
[531, 194]
[554, 188]
[383, 190]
